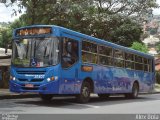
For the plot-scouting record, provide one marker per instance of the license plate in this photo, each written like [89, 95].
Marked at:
[29, 85]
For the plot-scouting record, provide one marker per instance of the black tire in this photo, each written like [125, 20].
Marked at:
[46, 97]
[103, 96]
[135, 92]
[84, 96]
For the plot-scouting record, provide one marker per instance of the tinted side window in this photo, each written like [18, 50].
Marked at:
[129, 64]
[119, 63]
[145, 61]
[138, 66]
[118, 54]
[118, 58]
[105, 50]
[138, 59]
[146, 68]
[129, 57]
[88, 46]
[89, 52]
[104, 60]
[89, 57]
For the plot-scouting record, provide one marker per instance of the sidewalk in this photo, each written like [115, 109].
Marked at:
[6, 94]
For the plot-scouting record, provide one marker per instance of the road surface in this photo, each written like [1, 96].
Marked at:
[145, 104]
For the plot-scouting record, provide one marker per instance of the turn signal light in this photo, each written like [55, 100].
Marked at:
[50, 79]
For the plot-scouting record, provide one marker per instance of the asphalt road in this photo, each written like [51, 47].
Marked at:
[145, 104]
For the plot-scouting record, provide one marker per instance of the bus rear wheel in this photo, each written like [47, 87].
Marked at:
[135, 92]
[103, 96]
[46, 97]
[84, 96]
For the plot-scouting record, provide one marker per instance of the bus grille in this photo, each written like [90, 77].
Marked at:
[32, 80]
[31, 72]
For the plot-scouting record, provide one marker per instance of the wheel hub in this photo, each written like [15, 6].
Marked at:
[85, 92]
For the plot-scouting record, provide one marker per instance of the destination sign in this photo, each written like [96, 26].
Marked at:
[33, 31]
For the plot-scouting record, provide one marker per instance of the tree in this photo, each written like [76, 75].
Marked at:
[5, 36]
[127, 7]
[123, 31]
[140, 47]
[105, 19]
[6, 32]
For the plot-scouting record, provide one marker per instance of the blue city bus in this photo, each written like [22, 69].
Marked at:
[52, 60]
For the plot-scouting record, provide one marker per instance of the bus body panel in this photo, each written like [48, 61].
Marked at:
[117, 80]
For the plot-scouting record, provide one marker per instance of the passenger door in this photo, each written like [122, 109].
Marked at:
[70, 67]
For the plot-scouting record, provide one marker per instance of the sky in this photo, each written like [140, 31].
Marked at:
[157, 11]
[5, 12]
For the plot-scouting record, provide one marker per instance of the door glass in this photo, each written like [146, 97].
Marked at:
[69, 52]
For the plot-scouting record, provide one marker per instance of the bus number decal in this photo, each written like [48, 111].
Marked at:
[39, 76]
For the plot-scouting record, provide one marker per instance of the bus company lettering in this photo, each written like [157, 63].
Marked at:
[36, 76]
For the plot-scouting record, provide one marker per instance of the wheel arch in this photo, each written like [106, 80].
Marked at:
[90, 81]
[136, 82]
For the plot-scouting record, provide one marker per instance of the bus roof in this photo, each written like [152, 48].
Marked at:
[90, 38]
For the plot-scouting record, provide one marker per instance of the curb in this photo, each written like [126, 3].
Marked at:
[18, 96]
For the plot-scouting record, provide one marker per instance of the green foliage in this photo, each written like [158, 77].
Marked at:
[125, 32]
[140, 47]
[5, 36]
[6, 32]
[98, 18]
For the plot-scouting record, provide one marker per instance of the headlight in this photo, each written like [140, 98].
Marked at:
[12, 78]
[48, 79]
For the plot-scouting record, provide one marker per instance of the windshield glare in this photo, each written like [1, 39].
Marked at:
[35, 52]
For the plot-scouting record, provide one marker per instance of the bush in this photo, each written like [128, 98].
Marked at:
[140, 47]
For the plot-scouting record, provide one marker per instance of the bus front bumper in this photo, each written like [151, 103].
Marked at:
[47, 88]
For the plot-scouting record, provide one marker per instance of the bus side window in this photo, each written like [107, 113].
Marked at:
[69, 52]
[89, 52]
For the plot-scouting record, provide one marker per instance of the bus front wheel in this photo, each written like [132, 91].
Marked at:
[135, 92]
[84, 96]
[46, 97]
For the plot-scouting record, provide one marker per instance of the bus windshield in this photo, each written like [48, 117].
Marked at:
[35, 52]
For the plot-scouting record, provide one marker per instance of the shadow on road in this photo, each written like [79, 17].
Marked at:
[70, 102]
